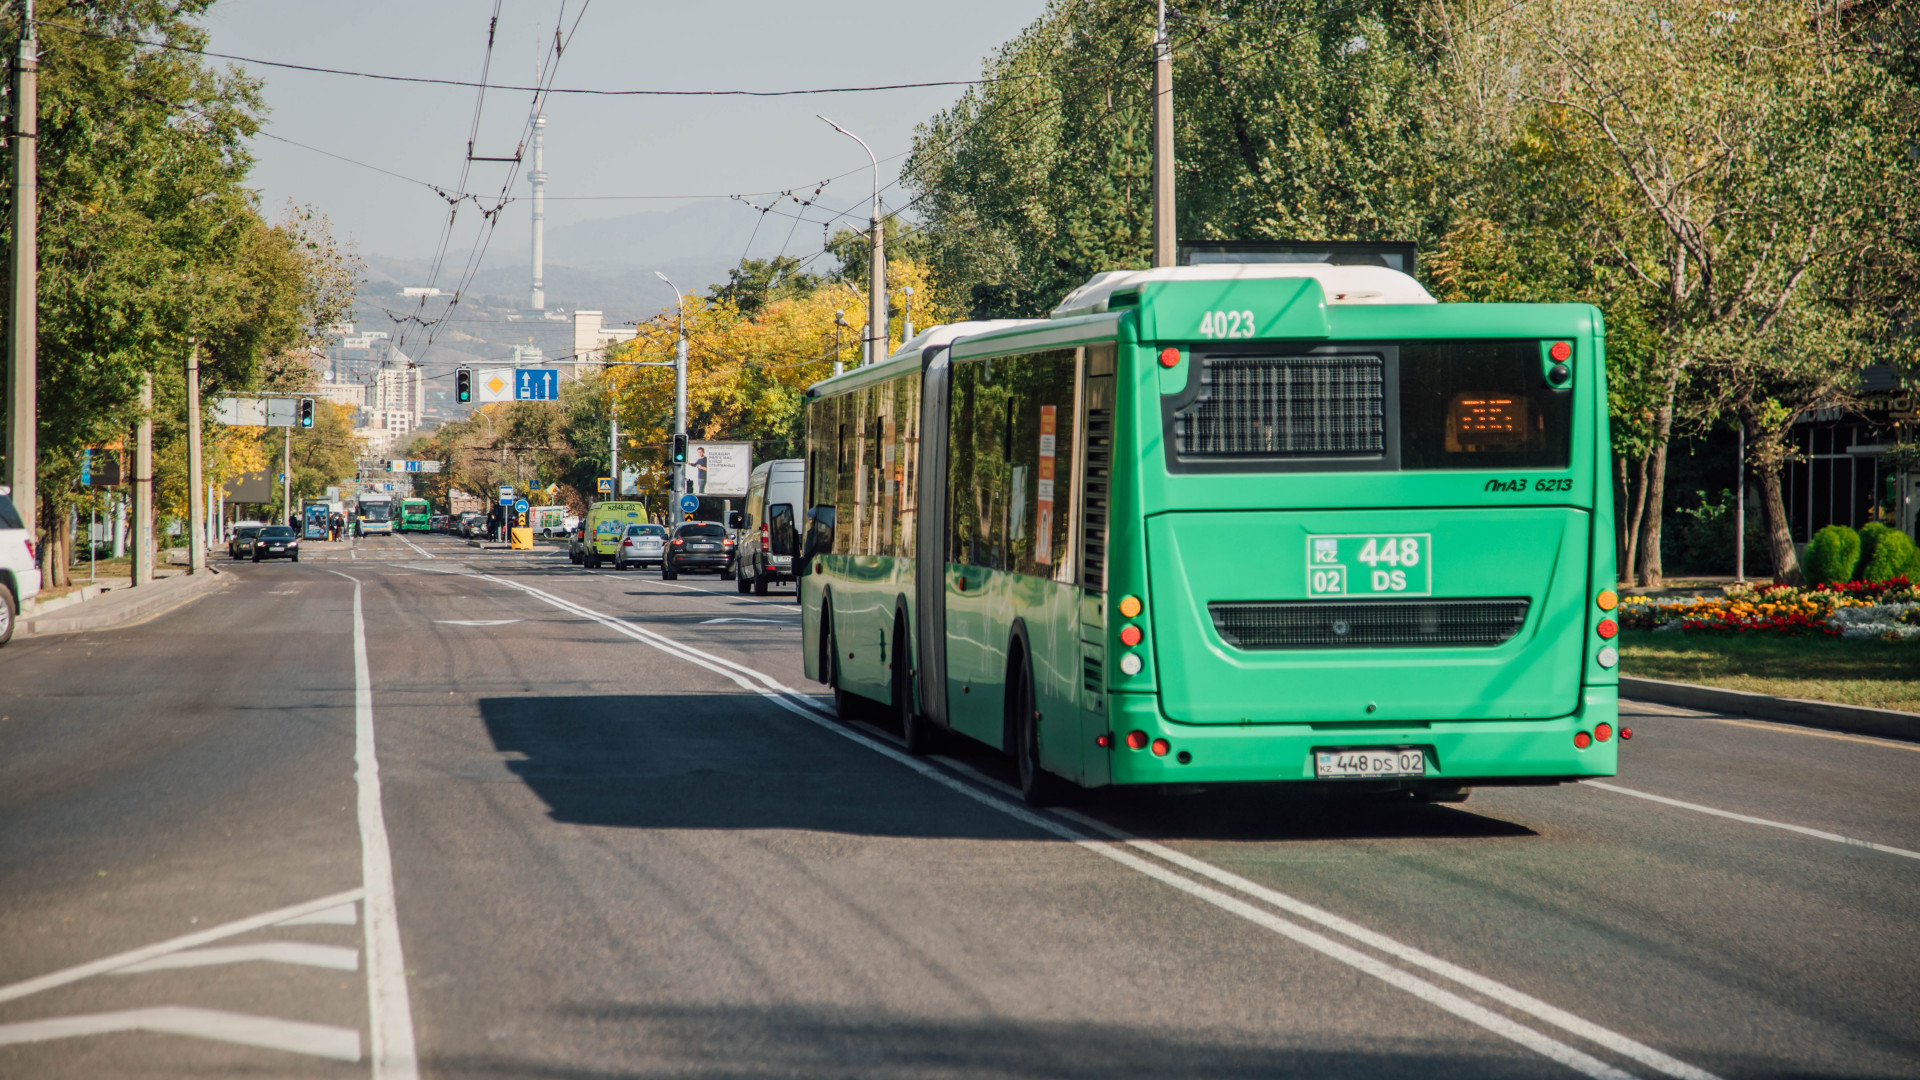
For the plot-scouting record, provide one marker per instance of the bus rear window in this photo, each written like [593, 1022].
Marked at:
[1479, 405]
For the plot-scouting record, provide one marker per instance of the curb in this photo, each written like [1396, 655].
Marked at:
[1858, 719]
[140, 604]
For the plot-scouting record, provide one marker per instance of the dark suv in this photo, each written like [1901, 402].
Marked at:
[701, 547]
[276, 542]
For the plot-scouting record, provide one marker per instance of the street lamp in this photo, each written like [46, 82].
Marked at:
[679, 381]
[876, 258]
[839, 323]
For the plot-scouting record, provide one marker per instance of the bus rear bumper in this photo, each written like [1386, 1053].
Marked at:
[1465, 752]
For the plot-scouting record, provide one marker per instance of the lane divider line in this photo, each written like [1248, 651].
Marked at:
[389, 1015]
[293, 1036]
[303, 953]
[1425, 990]
[185, 941]
[1749, 819]
[414, 546]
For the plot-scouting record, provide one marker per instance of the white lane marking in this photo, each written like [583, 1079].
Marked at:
[343, 915]
[277, 952]
[390, 1017]
[769, 622]
[185, 941]
[1641, 707]
[1751, 820]
[1427, 991]
[423, 551]
[293, 1036]
[478, 622]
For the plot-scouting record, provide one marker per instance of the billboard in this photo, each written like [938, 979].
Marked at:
[250, 487]
[720, 468]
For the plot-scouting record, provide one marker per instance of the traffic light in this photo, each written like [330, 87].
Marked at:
[463, 386]
[306, 412]
[680, 449]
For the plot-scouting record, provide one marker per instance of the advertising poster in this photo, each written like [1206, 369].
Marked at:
[721, 469]
[1043, 515]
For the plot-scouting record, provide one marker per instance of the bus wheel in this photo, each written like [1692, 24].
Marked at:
[915, 730]
[1442, 794]
[1038, 786]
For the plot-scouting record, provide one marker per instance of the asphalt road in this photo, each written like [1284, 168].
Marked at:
[614, 832]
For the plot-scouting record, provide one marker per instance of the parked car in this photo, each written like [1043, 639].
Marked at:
[240, 542]
[472, 523]
[699, 547]
[19, 573]
[769, 533]
[642, 545]
[437, 523]
[276, 542]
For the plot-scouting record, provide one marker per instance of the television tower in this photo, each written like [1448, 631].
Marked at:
[537, 299]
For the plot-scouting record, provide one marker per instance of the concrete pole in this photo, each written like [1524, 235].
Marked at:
[143, 486]
[22, 451]
[613, 445]
[119, 526]
[196, 491]
[1164, 252]
[537, 298]
[286, 473]
[680, 402]
[1740, 510]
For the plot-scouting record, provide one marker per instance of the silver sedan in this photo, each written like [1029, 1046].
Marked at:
[642, 545]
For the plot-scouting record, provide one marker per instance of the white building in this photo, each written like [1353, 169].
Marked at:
[592, 335]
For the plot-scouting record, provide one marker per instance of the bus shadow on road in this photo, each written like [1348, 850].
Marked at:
[803, 1040]
[717, 761]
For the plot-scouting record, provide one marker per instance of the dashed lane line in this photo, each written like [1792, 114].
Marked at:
[295, 1036]
[1749, 819]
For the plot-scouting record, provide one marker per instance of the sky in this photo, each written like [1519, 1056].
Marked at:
[602, 152]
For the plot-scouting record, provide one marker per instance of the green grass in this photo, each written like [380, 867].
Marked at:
[1881, 674]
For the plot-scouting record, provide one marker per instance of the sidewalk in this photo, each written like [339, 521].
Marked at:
[114, 602]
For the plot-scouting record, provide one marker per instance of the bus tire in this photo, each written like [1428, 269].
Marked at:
[1037, 786]
[916, 731]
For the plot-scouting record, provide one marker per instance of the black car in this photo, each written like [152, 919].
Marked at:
[276, 542]
[699, 546]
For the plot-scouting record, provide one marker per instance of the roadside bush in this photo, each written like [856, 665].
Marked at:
[1870, 535]
[1893, 556]
[1832, 555]
[1700, 538]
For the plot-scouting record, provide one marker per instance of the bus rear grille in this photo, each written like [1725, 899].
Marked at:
[1285, 405]
[1316, 624]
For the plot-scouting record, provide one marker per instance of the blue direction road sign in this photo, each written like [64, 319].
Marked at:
[536, 384]
[520, 506]
[689, 503]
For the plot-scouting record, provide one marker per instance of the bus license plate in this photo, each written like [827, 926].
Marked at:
[1352, 764]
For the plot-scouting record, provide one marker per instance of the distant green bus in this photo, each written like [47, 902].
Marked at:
[416, 515]
[1229, 523]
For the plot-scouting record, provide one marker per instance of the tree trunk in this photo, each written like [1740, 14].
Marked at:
[1655, 496]
[1622, 527]
[1773, 506]
[1639, 512]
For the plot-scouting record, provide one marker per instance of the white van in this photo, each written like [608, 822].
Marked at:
[19, 573]
[769, 528]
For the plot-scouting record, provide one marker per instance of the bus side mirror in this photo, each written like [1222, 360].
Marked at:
[736, 520]
[818, 540]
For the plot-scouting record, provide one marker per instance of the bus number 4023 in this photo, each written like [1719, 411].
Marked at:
[1226, 324]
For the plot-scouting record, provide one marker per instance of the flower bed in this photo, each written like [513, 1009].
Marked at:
[1888, 610]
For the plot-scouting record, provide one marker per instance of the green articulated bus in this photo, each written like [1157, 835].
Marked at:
[416, 515]
[1228, 523]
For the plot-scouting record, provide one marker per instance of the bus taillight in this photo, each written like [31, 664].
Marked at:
[1130, 635]
[1582, 740]
[1160, 747]
[1607, 600]
[1603, 731]
[1136, 740]
[1607, 628]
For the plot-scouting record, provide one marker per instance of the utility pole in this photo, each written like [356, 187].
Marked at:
[613, 444]
[1163, 231]
[286, 474]
[23, 456]
[876, 338]
[1740, 509]
[143, 486]
[196, 491]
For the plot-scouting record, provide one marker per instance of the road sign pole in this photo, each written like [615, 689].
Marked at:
[196, 500]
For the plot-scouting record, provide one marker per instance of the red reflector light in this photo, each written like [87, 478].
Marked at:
[1169, 357]
[1560, 351]
[1582, 740]
[1160, 747]
[1603, 732]
[1104, 740]
[1129, 635]
[1607, 628]
[1626, 733]
[1136, 740]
